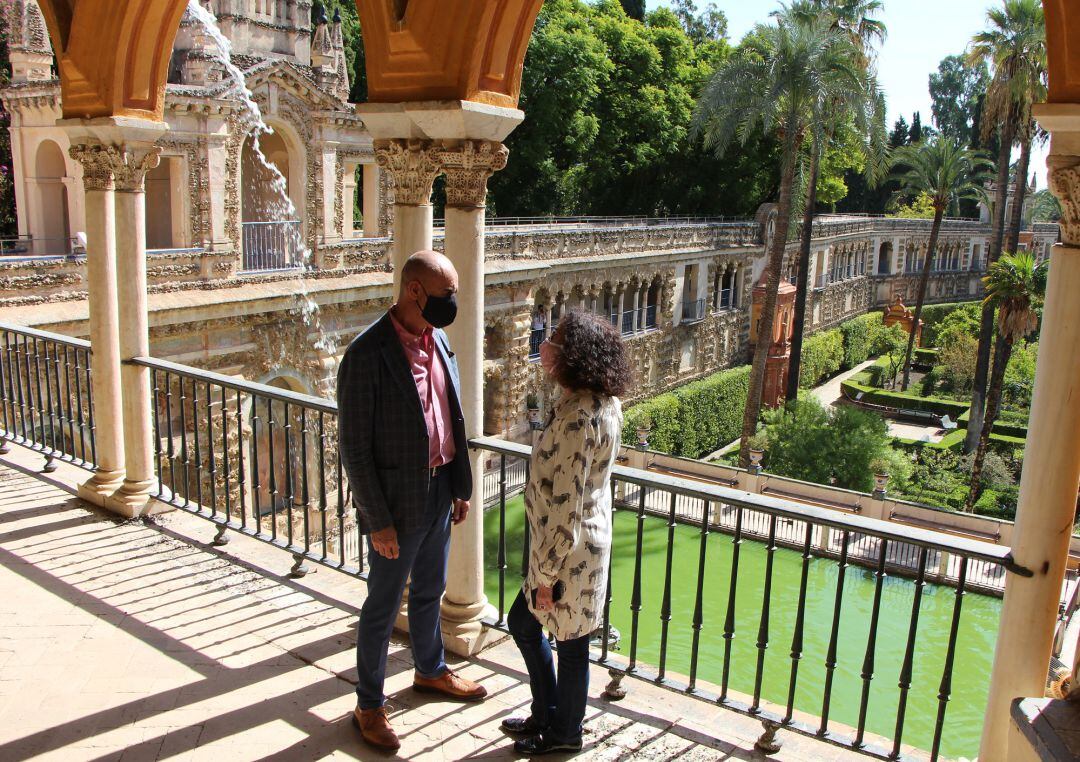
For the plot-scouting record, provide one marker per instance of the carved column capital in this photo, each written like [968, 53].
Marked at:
[468, 166]
[1064, 181]
[108, 167]
[413, 165]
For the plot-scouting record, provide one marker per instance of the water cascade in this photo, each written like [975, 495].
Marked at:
[280, 206]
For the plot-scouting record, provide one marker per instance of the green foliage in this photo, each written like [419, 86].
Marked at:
[822, 355]
[921, 208]
[1045, 206]
[8, 224]
[861, 336]
[833, 446]
[1019, 380]
[956, 363]
[635, 9]
[933, 314]
[892, 345]
[694, 419]
[608, 103]
[961, 322]
[954, 91]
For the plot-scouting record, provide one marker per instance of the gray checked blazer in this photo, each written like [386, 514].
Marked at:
[382, 436]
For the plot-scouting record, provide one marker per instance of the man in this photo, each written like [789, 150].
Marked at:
[403, 447]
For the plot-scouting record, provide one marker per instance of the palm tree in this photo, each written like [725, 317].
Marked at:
[775, 82]
[852, 18]
[947, 172]
[1014, 286]
[1015, 44]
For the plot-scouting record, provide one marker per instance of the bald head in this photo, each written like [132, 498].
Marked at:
[433, 271]
[426, 276]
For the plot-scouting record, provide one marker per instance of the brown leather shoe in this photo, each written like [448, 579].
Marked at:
[449, 684]
[375, 728]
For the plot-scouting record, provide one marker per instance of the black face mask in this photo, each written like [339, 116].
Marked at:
[439, 311]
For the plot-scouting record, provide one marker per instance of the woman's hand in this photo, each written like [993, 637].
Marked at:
[543, 598]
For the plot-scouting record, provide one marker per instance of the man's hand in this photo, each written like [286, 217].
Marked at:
[543, 598]
[385, 542]
[460, 510]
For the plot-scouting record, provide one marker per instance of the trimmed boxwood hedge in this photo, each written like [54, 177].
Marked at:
[860, 337]
[1012, 430]
[822, 355]
[926, 357]
[694, 419]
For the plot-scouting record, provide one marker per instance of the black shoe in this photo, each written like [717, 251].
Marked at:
[537, 745]
[522, 726]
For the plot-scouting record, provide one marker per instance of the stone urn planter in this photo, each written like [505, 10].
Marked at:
[881, 477]
[642, 433]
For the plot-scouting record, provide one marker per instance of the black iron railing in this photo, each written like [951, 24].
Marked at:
[849, 539]
[263, 461]
[255, 459]
[46, 402]
[693, 311]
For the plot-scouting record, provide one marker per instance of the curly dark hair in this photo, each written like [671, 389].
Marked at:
[593, 355]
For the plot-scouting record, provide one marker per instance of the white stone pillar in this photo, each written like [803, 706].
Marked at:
[372, 229]
[1048, 485]
[413, 164]
[328, 231]
[468, 165]
[132, 162]
[104, 321]
[179, 202]
[348, 201]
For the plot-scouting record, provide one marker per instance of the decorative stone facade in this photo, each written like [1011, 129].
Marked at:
[195, 199]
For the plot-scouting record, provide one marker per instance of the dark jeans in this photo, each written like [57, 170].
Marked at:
[422, 554]
[559, 703]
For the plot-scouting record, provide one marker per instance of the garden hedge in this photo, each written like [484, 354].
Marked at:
[822, 355]
[860, 337]
[932, 315]
[694, 419]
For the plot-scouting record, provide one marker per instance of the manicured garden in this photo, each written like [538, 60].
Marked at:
[844, 446]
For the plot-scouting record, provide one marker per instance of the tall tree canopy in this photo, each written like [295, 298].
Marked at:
[955, 89]
[608, 104]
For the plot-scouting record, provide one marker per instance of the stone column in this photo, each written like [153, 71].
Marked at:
[104, 321]
[1048, 485]
[468, 165]
[413, 164]
[130, 164]
[372, 229]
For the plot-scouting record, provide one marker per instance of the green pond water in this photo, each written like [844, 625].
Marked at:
[975, 645]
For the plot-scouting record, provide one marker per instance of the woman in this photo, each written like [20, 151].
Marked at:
[568, 506]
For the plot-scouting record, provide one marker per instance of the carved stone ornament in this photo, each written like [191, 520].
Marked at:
[414, 164]
[106, 167]
[1064, 183]
[468, 167]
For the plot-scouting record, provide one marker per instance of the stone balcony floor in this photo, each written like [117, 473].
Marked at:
[138, 640]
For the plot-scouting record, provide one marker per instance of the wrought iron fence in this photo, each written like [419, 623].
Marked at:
[263, 461]
[272, 245]
[255, 459]
[693, 311]
[46, 402]
[850, 539]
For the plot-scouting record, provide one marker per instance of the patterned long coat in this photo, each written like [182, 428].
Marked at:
[568, 507]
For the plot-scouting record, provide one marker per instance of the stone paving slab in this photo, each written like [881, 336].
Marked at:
[137, 640]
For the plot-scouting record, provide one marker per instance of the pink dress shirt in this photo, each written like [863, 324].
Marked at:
[431, 385]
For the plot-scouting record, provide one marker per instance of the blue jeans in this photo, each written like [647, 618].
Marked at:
[422, 554]
[558, 704]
